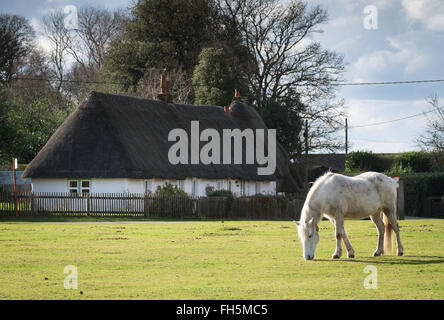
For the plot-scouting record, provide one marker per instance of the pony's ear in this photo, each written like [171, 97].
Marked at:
[297, 222]
[309, 221]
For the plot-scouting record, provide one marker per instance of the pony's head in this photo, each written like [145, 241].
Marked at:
[309, 234]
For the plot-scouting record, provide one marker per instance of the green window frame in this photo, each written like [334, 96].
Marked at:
[79, 186]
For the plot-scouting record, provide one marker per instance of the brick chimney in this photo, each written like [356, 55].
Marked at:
[163, 95]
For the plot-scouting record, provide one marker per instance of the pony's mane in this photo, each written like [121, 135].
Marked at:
[316, 185]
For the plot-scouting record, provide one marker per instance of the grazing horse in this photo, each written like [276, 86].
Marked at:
[339, 197]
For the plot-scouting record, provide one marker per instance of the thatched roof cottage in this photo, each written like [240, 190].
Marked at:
[115, 143]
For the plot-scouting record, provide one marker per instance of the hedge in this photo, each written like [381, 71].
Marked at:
[367, 161]
[395, 164]
[419, 186]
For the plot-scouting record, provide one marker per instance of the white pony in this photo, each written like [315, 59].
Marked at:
[339, 197]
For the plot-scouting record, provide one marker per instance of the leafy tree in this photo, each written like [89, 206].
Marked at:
[30, 126]
[215, 79]
[161, 34]
[16, 37]
[6, 131]
[284, 116]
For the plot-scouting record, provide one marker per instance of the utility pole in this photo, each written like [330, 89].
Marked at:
[14, 169]
[346, 137]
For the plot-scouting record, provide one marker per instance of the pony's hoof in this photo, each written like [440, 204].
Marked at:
[335, 256]
[376, 254]
[400, 254]
[351, 256]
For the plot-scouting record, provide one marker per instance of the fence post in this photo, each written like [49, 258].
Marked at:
[88, 200]
[146, 205]
[401, 203]
[32, 203]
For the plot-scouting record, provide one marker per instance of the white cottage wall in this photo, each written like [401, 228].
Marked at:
[98, 185]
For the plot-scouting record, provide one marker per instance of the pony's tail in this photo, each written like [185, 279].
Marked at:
[387, 235]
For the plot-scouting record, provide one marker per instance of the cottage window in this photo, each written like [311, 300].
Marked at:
[73, 186]
[219, 185]
[79, 186]
[182, 184]
[85, 186]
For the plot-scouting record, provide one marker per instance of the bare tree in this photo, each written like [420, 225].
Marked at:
[96, 29]
[60, 41]
[277, 35]
[78, 54]
[287, 60]
[433, 138]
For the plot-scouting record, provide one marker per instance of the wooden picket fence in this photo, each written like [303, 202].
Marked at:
[149, 206]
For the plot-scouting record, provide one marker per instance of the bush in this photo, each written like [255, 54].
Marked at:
[397, 168]
[169, 189]
[409, 162]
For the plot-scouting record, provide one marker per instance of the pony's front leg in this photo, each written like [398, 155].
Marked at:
[339, 228]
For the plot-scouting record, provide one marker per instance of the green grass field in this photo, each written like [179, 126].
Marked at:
[213, 260]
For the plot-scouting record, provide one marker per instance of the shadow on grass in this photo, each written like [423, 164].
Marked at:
[409, 260]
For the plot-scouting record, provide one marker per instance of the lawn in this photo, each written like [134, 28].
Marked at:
[212, 260]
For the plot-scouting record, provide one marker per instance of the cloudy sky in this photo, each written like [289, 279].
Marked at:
[404, 41]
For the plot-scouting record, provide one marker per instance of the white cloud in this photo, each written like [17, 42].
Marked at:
[430, 13]
[401, 57]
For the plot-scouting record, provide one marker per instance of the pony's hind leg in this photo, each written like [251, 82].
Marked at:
[348, 245]
[377, 220]
[391, 215]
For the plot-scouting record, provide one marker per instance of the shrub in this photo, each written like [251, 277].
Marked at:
[169, 189]
[414, 161]
[397, 168]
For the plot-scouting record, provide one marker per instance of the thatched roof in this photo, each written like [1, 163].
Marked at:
[114, 136]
